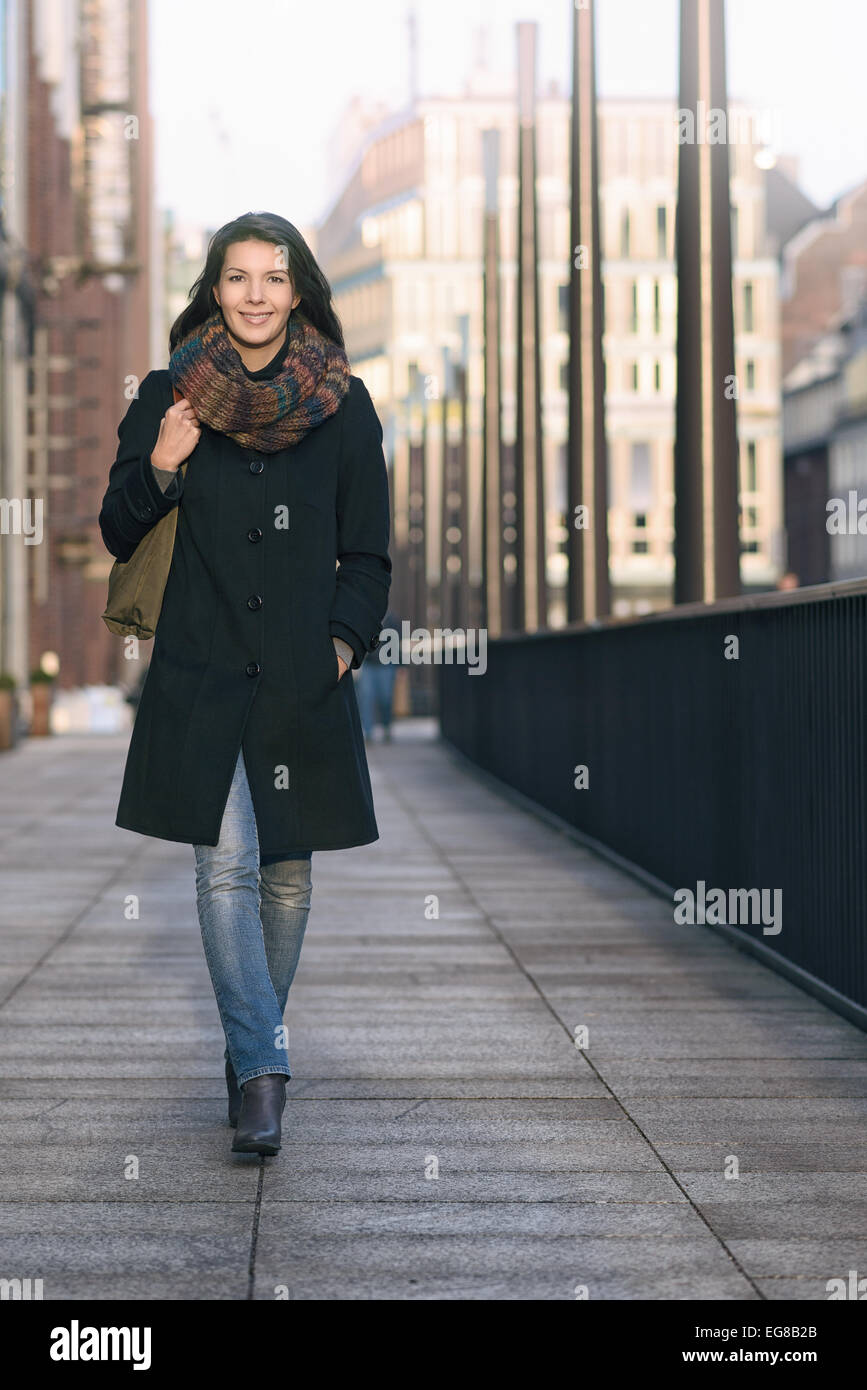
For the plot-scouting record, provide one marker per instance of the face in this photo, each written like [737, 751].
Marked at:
[256, 294]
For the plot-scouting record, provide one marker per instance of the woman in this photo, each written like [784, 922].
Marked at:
[247, 742]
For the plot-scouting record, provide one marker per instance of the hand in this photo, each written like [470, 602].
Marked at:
[179, 434]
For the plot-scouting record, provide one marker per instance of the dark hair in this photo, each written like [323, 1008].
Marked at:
[307, 278]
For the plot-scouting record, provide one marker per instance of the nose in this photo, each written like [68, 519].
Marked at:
[255, 294]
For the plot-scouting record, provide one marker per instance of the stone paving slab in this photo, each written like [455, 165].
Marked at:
[411, 1039]
[323, 1266]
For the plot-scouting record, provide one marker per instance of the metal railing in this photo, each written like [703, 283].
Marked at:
[736, 771]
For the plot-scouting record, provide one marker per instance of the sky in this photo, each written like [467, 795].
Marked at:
[246, 94]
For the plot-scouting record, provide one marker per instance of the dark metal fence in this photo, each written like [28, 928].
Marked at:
[741, 773]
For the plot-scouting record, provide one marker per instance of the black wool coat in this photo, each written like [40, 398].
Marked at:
[243, 656]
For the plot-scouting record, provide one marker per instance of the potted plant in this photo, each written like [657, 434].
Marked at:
[41, 691]
[8, 710]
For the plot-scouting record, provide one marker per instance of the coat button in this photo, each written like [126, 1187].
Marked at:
[253, 668]
[254, 601]
[256, 465]
[254, 534]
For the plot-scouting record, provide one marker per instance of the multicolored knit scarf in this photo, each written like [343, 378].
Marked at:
[270, 414]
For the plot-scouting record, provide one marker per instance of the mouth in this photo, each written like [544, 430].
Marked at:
[255, 318]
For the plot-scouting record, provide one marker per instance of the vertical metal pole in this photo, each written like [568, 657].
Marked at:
[706, 546]
[533, 608]
[463, 460]
[492, 433]
[446, 582]
[587, 466]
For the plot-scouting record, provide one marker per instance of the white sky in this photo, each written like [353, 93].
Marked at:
[246, 93]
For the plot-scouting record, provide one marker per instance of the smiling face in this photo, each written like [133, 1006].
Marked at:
[256, 295]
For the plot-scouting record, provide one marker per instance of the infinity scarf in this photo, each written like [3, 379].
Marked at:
[270, 414]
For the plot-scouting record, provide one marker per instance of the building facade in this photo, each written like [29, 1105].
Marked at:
[402, 246]
[84, 219]
[825, 433]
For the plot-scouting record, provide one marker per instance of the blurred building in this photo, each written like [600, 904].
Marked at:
[825, 433]
[402, 245]
[824, 274]
[185, 247]
[824, 291]
[81, 131]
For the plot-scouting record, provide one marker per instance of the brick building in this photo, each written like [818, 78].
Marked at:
[88, 243]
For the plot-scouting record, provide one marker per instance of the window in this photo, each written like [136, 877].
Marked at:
[564, 376]
[633, 375]
[625, 229]
[657, 376]
[661, 233]
[657, 317]
[750, 478]
[634, 314]
[748, 307]
[751, 374]
[734, 230]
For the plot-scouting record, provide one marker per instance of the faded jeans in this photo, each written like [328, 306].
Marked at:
[253, 916]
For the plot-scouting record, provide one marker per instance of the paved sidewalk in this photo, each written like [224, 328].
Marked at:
[421, 1044]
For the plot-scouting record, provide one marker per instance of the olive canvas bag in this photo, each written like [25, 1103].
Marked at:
[136, 586]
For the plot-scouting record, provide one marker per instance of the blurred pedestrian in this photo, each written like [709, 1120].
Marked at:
[247, 742]
[375, 683]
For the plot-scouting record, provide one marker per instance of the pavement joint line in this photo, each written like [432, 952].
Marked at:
[254, 1230]
[424, 1101]
[386, 1201]
[412, 814]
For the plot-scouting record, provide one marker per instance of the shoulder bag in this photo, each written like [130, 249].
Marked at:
[136, 586]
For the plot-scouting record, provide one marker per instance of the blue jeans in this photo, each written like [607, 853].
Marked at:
[251, 945]
[375, 690]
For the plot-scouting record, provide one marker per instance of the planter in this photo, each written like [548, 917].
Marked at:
[41, 693]
[8, 719]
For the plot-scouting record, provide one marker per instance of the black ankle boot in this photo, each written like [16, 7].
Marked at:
[262, 1101]
[234, 1094]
